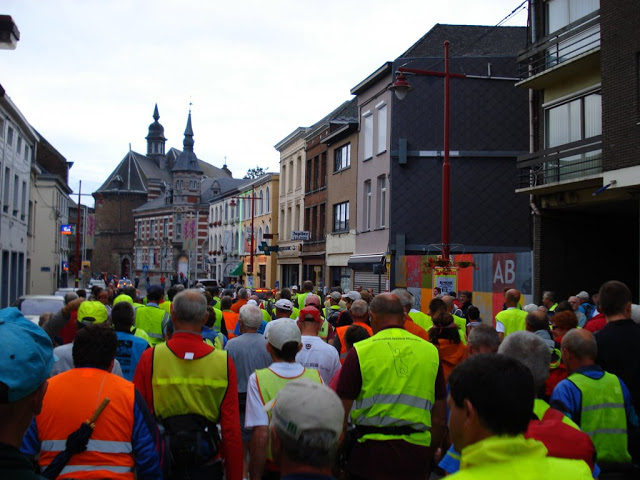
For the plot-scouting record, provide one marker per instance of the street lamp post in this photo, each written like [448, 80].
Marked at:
[253, 199]
[401, 87]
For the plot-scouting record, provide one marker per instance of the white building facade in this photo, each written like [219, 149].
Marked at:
[17, 144]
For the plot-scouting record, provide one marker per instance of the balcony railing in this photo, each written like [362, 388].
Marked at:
[575, 39]
[571, 161]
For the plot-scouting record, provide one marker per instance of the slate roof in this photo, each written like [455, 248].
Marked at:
[187, 160]
[469, 41]
[130, 175]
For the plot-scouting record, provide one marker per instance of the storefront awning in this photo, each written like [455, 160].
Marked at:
[367, 259]
[238, 271]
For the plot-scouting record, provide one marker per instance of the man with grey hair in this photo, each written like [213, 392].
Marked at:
[306, 424]
[190, 398]
[249, 353]
[575, 303]
[534, 353]
[408, 303]
[598, 401]
[483, 339]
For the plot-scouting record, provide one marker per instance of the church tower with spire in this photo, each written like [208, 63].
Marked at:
[187, 173]
[156, 141]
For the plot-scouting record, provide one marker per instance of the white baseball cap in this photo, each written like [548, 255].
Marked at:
[304, 405]
[284, 304]
[284, 331]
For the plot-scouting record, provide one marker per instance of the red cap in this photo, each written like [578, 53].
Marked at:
[310, 311]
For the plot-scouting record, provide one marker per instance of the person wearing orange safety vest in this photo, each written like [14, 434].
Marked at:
[360, 314]
[283, 343]
[123, 442]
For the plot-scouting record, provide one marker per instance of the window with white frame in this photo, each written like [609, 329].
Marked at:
[165, 227]
[178, 229]
[9, 136]
[341, 217]
[139, 258]
[139, 230]
[367, 206]
[152, 229]
[561, 13]
[260, 203]
[382, 127]
[368, 134]
[342, 157]
[19, 145]
[382, 200]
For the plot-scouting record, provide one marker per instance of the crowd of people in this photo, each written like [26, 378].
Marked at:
[222, 383]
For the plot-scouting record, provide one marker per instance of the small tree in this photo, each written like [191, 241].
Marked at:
[255, 172]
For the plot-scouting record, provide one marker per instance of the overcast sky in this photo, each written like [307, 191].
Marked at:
[87, 73]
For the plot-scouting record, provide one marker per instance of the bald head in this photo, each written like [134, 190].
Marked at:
[511, 297]
[386, 310]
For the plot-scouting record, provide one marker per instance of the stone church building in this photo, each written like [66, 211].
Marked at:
[152, 211]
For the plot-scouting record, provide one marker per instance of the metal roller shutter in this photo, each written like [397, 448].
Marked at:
[368, 279]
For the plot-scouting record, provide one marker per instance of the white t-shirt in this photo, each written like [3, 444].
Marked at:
[319, 355]
[255, 415]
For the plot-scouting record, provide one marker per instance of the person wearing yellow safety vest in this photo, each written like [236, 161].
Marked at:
[549, 300]
[283, 343]
[191, 387]
[307, 289]
[395, 385]
[123, 442]
[490, 402]
[512, 319]
[598, 401]
[327, 332]
[151, 318]
[533, 352]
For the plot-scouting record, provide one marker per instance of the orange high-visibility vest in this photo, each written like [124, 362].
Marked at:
[340, 331]
[71, 398]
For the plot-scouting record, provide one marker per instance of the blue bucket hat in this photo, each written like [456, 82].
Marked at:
[26, 354]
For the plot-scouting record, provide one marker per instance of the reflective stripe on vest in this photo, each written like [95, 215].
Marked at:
[151, 320]
[102, 446]
[603, 416]
[398, 384]
[94, 468]
[183, 386]
[109, 452]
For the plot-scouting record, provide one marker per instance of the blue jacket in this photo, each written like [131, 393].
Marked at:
[130, 348]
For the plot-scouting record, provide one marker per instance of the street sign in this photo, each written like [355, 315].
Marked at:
[66, 229]
[145, 268]
[65, 266]
[300, 235]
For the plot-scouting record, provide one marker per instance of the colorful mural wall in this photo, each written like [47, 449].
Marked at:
[487, 280]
